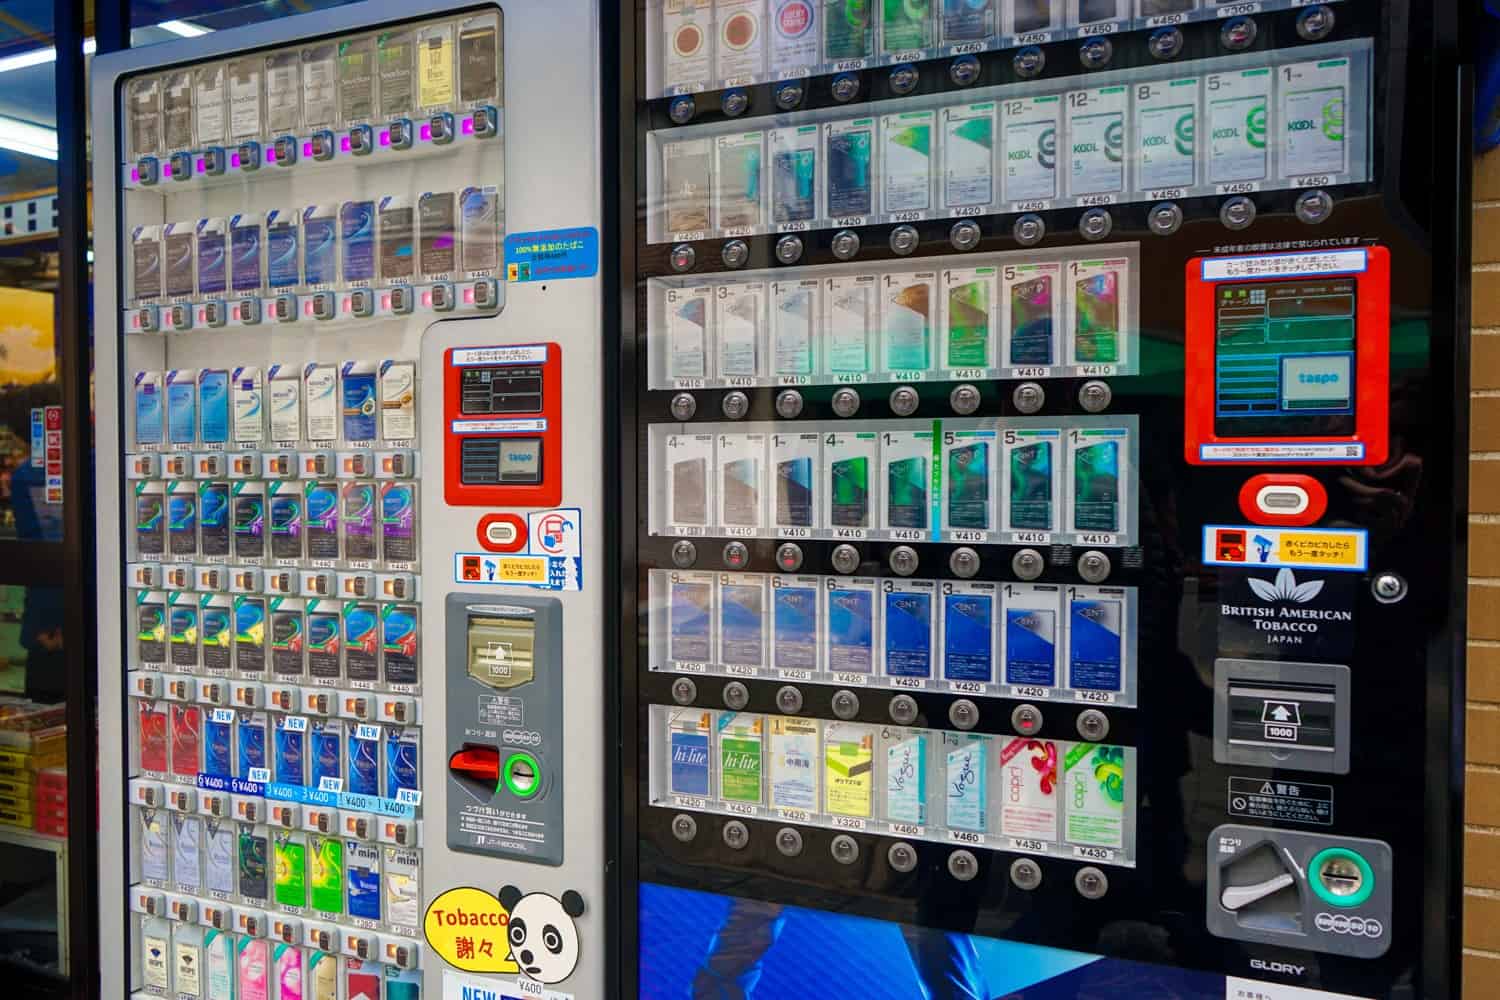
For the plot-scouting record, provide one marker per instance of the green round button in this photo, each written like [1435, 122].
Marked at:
[521, 775]
[1341, 877]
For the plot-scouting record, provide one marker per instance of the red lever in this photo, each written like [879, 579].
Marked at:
[477, 763]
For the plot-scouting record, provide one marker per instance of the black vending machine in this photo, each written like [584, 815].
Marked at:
[1041, 467]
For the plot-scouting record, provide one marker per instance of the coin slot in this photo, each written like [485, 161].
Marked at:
[1342, 877]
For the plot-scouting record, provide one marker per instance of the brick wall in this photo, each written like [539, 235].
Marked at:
[1481, 925]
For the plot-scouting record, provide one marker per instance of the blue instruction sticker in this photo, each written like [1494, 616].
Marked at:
[552, 254]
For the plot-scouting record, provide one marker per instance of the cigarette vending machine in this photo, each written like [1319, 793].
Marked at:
[1042, 423]
[348, 354]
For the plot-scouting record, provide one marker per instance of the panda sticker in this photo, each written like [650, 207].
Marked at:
[543, 938]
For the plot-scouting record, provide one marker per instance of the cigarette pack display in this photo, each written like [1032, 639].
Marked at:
[850, 638]
[906, 464]
[740, 52]
[1096, 784]
[689, 314]
[794, 622]
[848, 769]
[742, 316]
[851, 303]
[794, 328]
[907, 319]
[966, 781]
[794, 174]
[741, 757]
[1029, 778]
[1096, 127]
[740, 460]
[742, 620]
[795, 503]
[905, 776]
[969, 316]
[909, 621]
[794, 763]
[1031, 635]
[690, 618]
[1031, 132]
[969, 633]
[688, 733]
[849, 468]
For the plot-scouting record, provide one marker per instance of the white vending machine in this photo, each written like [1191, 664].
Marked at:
[349, 364]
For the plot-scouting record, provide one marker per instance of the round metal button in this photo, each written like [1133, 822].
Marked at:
[736, 695]
[1028, 564]
[1165, 218]
[1238, 33]
[789, 700]
[684, 827]
[1095, 53]
[1029, 229]
[1029, 397]
[904, 79]
[903, 560]
[789, 249]
[1029, 62]
[1026, 719]
[683, 257]
[1093, 725]
[789, 404]
[965, 234]
[735, 102]
[1096, 224]
[735, 253]
[736, 555]
[789, 841]
[845, 849]
[845, 558]
[1091, 883]
[1314, 206]
[964, 399]
[1388, 588]
[1165, 43]
[684, 553]
[1094, 566]
[1025, 874]
[684, 406]
[904, 401]
[962, 865]
[736, 835]
[735, 405]
[964, 70]
[845, 244]
[684, 691]
[845, 402]
[1316, 22]
[902, 857]
[682, 109]
[1237, 213]
[964, 714]
[1095, 396]
[904, 239]
[903, 709]
[964, 562]
[789, 557]
[845, 704]
[789, 95]
[845, 87]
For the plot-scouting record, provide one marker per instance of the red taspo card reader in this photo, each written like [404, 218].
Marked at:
[1288, 358]
[502, 426]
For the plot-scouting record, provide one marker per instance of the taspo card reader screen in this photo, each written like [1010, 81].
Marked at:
[1288, 358]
